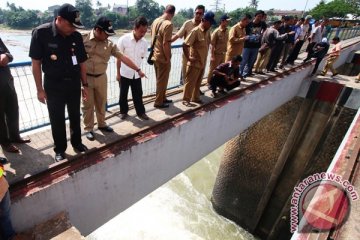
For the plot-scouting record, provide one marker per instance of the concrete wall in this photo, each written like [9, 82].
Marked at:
[96, 194]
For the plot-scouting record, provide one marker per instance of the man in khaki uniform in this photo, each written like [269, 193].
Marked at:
[237, 37]
[219, 39]
[162, 54]
[99, 49]
[333, 56]
[185, 30]
[196, 47]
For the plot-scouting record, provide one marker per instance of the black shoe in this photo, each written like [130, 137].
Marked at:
[90, 136]
[59, 157]
[164, 105]
[20, 140]
[80, 148]
[334, 74]
[168, 101]
[201, 93]
[123, 116]
[3, 160]
[143, 116]
[106, 129]
[214, 94]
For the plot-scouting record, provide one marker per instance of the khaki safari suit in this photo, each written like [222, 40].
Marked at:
[99, 53]
[162, 67]
[219, 39]
[235, 44]
[199, 41]
[184, 31]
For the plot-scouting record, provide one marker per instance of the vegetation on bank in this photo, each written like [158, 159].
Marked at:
[16, 17]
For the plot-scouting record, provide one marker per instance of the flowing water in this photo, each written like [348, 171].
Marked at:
[179, 210]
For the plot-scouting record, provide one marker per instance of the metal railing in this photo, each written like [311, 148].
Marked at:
[34, 115]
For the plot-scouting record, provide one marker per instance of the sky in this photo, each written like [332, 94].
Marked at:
[179, 4]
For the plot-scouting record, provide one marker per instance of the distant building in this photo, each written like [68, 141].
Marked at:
[287, 12]
[53, 8]
[120, 9]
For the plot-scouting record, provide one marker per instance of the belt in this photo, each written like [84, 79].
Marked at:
[94, 75]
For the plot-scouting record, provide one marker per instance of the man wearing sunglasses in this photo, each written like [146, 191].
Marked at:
[184, 31]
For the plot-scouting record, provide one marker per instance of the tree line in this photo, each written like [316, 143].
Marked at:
[19, 18]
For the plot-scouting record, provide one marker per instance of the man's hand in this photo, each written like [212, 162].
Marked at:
[42, 96]
[141, 74]
[118, 77]
[84, 93]
[4, 60]
[192, 59]
[212, 59]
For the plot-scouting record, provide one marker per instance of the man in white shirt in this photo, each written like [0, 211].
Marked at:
[134, 46]
[299, 39]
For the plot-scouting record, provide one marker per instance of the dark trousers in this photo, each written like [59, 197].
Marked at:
[136, 91]
[275, 56]
[295, 52]
[310, 50]
[317, 63]
[57, 99]
[217, 81]
[9, 112]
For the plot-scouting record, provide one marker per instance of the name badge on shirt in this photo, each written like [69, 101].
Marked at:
[74, 60]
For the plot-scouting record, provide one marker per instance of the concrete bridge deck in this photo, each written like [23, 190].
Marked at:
[37, 156]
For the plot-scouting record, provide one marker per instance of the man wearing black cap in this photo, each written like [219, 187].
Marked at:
[219, 39]
[58, 49]
[99, 49]
[196, 47]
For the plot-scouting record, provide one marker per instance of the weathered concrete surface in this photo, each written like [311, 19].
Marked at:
[249, 161]
[57, 228]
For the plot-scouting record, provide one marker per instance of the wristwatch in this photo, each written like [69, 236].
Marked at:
[138, 70]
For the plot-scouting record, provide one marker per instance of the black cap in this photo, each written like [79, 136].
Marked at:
[70, 13]
[105, 24]
[209, 16]
[225, 17]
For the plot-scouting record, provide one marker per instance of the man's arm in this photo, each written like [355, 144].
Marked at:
[118, 66]
[36, 70]
[84, 80]
[130, 64]
[167, 42]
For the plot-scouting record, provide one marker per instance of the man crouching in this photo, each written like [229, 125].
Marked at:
[226, 76]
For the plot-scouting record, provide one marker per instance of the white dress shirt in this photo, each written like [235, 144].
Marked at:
[135, 50]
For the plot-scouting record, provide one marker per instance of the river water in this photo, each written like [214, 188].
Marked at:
[179, 210]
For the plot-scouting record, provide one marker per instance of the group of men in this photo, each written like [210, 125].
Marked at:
[74, 65]
[68, 66]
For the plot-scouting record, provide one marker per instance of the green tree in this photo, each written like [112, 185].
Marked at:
[117, 20]
[237, 14]
[149, 9]
[335, 8]
[22, 19]
[186, 13]
[87, 15]
[178, 20]
[47, 16]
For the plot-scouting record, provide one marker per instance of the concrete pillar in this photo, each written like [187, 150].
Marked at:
[262, 165]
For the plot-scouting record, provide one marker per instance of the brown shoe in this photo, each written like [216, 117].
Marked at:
[10, 148]
[20, 140]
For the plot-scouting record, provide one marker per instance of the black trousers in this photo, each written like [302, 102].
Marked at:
[136, 91]
[275, 56]
[295, 52]
[9, 111]
[217, 81]
[57, 99]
